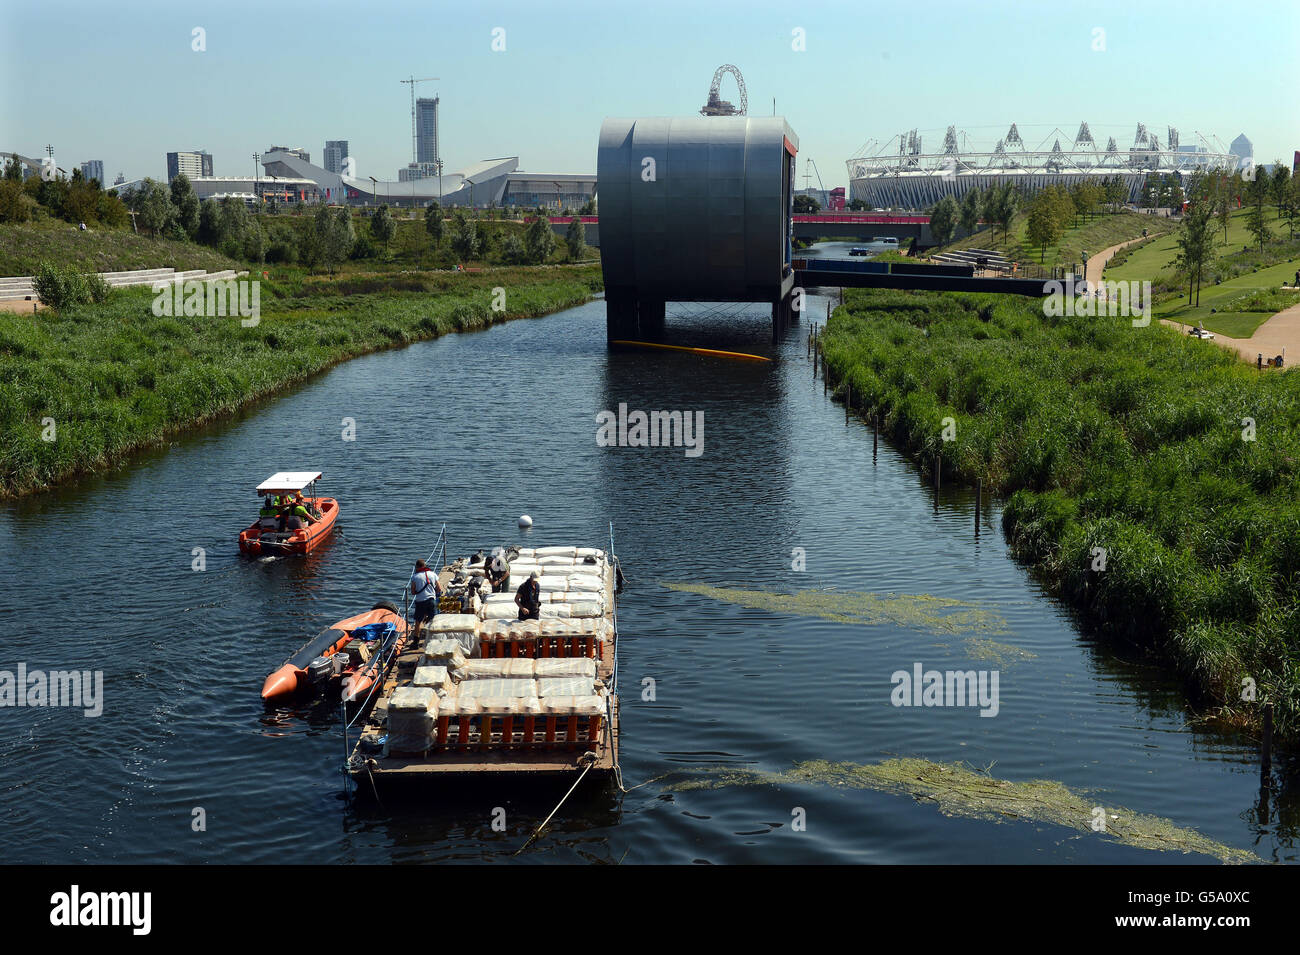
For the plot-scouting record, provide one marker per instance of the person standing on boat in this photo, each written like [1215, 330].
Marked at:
[498, 574]
[425, 591]
[529, 598]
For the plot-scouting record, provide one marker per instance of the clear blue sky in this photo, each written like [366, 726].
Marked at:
[120, 82]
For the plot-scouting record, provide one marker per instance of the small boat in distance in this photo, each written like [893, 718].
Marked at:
[274, 536]
[341, 654]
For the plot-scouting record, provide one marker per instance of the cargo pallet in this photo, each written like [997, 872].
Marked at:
[502, 742]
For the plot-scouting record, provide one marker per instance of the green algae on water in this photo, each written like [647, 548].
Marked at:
[959, 790]
[940, 615]
[1003, 654]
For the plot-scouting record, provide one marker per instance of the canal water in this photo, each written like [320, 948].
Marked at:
[186, 765]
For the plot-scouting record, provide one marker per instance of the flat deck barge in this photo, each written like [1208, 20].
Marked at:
[487, 694]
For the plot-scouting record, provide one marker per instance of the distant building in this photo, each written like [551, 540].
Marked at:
[1241, 148]
[93, 169]
[426, 130]
[300, 153]
[418, 170]
[836, 200]
[193, 163]
[489, 182]
[336, 150]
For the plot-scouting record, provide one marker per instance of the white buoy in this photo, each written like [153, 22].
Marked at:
[525, 521]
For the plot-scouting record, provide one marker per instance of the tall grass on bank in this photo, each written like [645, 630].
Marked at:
[115, 378]
[1115, 437]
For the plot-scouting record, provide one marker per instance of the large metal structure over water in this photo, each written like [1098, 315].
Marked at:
[694, 209]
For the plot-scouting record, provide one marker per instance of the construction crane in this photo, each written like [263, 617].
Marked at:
[808, 176]
[716, 106]
[412, 81]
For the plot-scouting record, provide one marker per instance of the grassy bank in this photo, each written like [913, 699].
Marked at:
[114, 378]
[1099, 232]
[1115, 437]
[24, 246]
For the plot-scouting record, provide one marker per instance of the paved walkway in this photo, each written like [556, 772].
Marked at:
[1279, 335]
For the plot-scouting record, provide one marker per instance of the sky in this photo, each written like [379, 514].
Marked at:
[124, 83]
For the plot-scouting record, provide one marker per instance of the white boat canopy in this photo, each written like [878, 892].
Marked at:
[287, 481]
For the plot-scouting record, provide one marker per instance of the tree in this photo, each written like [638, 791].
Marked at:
[309, 245]
[806, 205]
[1223, 195]
[464, 236]
[539, 240]
[186, 201]
[1000, 205]
[857, 205]
[1279, 183]
[588, 208]
[209, 230]
[513, 251]
[15, 205]
[152, 205]
[970, 211]
[254, 245]
[232, 225]
[1049, 213]
[943, 220]
[382, 226]
[336, 235]
[575, 238]
[433, 223]
[1196, 246]
[1256, 220]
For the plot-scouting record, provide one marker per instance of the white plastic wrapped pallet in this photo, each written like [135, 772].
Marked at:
[565, 686]
[491, 687]
[412, 719]
[555, 610]
[580, 667]
[445, 653]
[435, 676]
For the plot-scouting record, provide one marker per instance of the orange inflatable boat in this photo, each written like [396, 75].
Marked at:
[265, 538]
[348, 655]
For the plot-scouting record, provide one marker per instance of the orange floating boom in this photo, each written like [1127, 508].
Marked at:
[697, 351]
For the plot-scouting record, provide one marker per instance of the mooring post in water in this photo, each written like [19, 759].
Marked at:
[848, 400]
[979, 498]
[1266, 754]
[937, 465]
[875, 435]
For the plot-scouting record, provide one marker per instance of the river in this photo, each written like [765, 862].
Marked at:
[476, 429]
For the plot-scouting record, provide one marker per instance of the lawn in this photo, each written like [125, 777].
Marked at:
[1234, 324]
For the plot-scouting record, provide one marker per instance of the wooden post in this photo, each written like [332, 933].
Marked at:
[979, 498]
[1266, 748]
[875, 435]
[937, 465]
[848, 400]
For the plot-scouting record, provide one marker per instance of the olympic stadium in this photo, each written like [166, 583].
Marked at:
[901, 174]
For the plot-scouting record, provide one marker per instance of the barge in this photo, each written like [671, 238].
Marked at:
[486, 694]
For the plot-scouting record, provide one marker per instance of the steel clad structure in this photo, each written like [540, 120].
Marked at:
[695, 209]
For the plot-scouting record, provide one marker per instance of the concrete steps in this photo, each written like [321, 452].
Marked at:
[20, 286]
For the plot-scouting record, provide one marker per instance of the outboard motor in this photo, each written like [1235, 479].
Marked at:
[319, 671]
